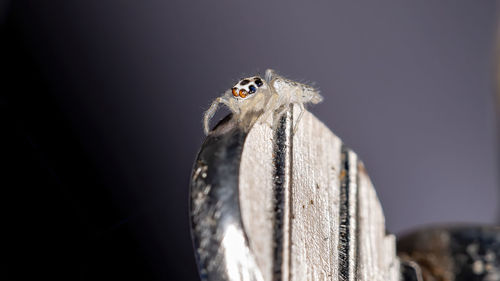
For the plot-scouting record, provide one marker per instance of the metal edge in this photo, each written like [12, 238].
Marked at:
[216, 224]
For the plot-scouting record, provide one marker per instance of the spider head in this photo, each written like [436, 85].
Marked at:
[247, 87]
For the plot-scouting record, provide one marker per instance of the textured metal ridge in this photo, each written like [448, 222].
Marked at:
[344, 230]
[271, 203]
[280, 165]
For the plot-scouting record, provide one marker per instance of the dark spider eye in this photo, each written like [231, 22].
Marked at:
[252, 89]
[244, 82]
[258, 82]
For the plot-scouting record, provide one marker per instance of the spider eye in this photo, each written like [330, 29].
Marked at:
[235, 92]
[244, 82]
[252, 89]
[243, 93]
[258, 82]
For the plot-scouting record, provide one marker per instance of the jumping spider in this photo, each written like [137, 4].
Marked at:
[270, 95]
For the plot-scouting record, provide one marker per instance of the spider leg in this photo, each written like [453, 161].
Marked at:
[270, 107]
[299, 117]
[282, 109]
[270, 75]
[211, 111]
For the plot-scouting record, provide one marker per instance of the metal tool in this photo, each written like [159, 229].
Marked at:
[271, 204]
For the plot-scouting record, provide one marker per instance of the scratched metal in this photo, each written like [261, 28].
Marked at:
[270, 204]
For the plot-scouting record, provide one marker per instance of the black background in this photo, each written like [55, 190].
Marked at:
[101, 105]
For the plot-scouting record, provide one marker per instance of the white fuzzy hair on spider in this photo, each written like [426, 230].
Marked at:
[273, 94]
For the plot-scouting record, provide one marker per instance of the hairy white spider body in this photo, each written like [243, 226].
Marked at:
[271, 95]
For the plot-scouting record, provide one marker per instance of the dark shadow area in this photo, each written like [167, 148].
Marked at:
[59, 218]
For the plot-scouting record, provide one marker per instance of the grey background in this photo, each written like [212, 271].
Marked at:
[409, 86]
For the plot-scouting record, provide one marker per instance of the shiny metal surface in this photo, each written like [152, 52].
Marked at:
[270, 204]
[220, 242]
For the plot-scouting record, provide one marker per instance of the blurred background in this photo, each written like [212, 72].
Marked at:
[101, 105]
